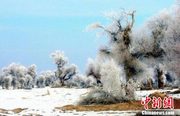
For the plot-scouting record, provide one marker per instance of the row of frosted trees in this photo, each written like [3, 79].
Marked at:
[17, 76]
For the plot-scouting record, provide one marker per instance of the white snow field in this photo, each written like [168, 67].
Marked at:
[44, 100]
[39, 101]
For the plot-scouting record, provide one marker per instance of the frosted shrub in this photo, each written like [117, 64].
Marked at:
[49, 77]
[114, 89]
[31, 70]
[56, 84]
[28, 82]
[90, 81]
[41, 81]
[69, 72]
[15, 83]
[16, 70]
[1, 80]
[93, 69]
[77, 81]
[22, 81]
[98, 96]
[81, 81]
[112, 78]
[131, 87]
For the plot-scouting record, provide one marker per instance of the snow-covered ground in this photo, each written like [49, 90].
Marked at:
[43, 101]
[39, 101]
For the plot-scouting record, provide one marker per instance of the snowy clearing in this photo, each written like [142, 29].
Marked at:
[39, 101]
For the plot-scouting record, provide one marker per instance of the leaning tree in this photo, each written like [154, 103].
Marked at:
[119, 47]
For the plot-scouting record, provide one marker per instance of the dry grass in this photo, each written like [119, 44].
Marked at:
[33, 114]
[3, 111]
[132, 105]
[16, 110]
[158, 94]
[25, 98]
[101, 97]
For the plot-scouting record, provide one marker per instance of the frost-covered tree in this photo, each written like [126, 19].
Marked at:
[158, 43]
[69, 72]
[64, 72]
[49, 78]
[1, 79]
[40, 81]
[172, 41]
[119, 48]
[21, 82]
[33, 73]
[15, 83]
[29, 83]
[15, 70]
[7, 82]
[81, 81]
[60, 60]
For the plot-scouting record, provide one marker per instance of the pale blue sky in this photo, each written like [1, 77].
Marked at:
[31, 29]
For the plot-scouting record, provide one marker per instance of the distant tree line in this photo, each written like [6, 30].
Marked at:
[17, 76]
